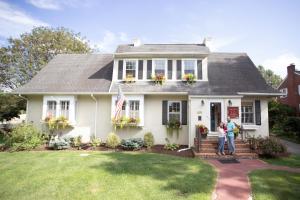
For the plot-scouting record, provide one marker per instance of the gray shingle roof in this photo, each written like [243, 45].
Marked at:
[164, 48]
[73, 73]
[228, 74]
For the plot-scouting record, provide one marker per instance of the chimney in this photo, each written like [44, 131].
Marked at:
[207, 41]
[136, 42]
[291, 69]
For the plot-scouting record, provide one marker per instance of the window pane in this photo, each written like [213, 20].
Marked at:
[247, 113]
[174, 111]
[130, 68]
[64, 109]
[189, 66]
[174, 117]
[159, 66]
[134, 107]
[51, 109]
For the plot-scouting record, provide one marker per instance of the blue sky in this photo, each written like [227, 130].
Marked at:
[267, 30]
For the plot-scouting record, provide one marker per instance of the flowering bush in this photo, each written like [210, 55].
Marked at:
[202, 128]
[58, 123]
[189, 78]
[159, 78]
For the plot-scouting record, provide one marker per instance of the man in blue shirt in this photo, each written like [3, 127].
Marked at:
[230, 135]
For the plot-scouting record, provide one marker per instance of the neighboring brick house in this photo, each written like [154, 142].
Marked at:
[291, 87]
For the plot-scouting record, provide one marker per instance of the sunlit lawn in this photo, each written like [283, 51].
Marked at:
[275, 185]
[291, 161]
[67, 175]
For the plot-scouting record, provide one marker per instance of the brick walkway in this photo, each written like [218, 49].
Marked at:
[233, 183]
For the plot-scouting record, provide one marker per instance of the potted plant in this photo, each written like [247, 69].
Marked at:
[125, 122]
[203, 130]
[159, 79]
[236, 130]
[189, 78]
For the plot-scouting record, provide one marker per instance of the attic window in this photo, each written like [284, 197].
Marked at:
[189, 66]
[159, 66]
[130, 68]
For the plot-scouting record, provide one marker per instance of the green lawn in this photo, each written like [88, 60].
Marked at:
[291, 161]
[275, 185]
[67, 175]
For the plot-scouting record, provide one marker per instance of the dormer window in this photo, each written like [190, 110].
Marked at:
[130, 69]
[159, 67]
[189, 66]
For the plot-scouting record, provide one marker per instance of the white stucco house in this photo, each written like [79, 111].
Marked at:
[83, 87]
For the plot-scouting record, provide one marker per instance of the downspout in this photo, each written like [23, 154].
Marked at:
[26, 119]
[96, 114]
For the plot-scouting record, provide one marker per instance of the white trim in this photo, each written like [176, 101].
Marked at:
[259, 94]
[71, 99]
[299, 90]
[221, 101]
[154, 66]
[195, 67]
[96, 115]
[284, 92]
[101, 93]
[180, 109]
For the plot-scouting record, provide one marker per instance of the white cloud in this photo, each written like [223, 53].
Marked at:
[59, 4]
[14, 21]
[110, 41]
[278, 64]
[46, 4]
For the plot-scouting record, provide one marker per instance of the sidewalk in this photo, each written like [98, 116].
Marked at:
[291, 146]
[233, 182]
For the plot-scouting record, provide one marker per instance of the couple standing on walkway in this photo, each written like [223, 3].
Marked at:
[226, 134]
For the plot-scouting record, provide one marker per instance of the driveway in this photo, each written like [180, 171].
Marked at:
[291, 146]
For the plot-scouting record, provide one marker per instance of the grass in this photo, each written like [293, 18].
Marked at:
[67, 175]
[291, 161]
[275, 185]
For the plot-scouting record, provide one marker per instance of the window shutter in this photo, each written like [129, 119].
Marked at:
[184, 112]
[170, 66]
[178, 69]
[257, 112]
[164, 112]
[140, 70]
[199, 69]
[149, 69]
[120, 70]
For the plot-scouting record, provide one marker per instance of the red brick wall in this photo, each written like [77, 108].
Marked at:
[291, 83]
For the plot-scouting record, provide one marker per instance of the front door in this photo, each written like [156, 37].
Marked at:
[215, 115]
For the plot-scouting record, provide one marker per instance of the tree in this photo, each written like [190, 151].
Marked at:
[271, 78]
[23, 57]
[10, 106]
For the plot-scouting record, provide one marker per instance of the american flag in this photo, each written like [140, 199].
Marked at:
[120, 102]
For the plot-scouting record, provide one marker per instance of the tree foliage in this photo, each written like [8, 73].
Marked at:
[271, 78]
[23, 57]
[10, 106]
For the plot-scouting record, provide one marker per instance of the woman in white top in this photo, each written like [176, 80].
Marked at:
[222, 134]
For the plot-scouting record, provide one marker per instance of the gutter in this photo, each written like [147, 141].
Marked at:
[26, 120]
[96, 114]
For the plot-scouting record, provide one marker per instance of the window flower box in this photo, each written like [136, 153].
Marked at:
[129, 79]
[159, 79]
[189, 78]
[126, 122]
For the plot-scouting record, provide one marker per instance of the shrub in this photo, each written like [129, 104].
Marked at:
[76, 142]
[95, 142]
[24, 137]
[149, 140]
[132, 144]
[170, 146]
[59, 143]
[113, 140]
[292, 126]
[268, 147]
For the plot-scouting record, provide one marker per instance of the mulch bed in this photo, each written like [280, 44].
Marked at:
[155, 149]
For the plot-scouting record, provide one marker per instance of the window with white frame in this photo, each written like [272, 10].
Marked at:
[134, 109]
[130, 68]
[189, 66]
[65, 108]
[56, 106]
[247, 113]
[159, 66]
[285, 92]
[299, 89]
[174, 111]
[51, 109]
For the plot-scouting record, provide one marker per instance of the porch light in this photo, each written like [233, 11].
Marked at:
[202, 102]
[229, 102]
